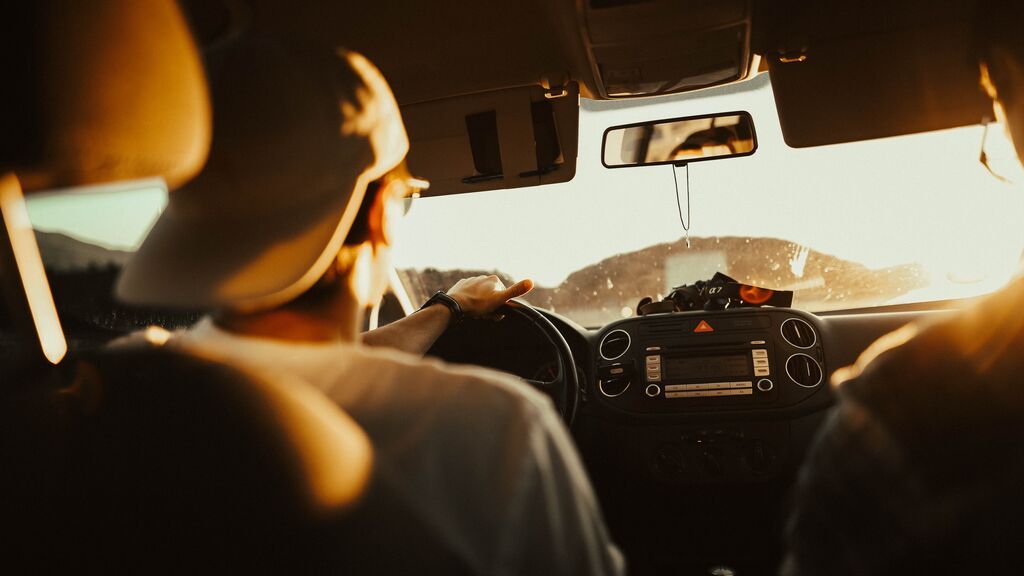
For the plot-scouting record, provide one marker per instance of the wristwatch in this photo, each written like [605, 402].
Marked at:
[440, 297]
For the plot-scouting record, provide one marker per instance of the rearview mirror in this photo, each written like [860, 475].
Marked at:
[679, 140]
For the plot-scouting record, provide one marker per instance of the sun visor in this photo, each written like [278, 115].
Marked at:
[830, 90]
[511, 138]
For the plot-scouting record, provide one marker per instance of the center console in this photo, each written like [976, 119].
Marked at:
[710, 397]
[708, 361]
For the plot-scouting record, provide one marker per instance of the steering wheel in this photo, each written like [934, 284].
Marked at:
[564, 388]
[461, 344]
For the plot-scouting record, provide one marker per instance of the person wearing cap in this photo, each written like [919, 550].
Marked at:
[918, 470]
[285, 235]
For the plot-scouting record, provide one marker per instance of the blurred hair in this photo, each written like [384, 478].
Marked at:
[999, 24]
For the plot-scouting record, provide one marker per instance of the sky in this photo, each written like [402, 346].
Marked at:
[922, 199]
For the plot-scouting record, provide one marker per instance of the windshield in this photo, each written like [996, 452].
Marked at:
[898, 220]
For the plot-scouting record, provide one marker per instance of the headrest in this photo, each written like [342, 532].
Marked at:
[101, 91]
[152, 455]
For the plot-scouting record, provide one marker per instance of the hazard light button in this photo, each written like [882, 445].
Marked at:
[703, 326]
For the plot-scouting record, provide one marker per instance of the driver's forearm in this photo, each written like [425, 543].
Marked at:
[414, 334]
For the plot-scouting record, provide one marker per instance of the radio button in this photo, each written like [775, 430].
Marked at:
[761, 371]
[696, 394]
[747, 384]
[618, 370]
[652, 390]
[653, 377]
[684, 387]
[757, 342]
[765, 385]
[651, 360]
[760, 362]
[759, 353]
[740, 392]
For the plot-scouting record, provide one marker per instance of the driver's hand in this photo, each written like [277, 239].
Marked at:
[481, 296]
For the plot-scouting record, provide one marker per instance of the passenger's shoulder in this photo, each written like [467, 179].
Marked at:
[945, 361]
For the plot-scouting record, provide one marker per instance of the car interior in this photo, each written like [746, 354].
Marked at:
[691, 368]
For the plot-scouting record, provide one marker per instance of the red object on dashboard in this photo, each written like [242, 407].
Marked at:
[755, 295]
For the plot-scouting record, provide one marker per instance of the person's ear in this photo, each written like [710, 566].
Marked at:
[378, 233]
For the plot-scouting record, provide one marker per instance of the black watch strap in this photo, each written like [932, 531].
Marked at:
[440, 297]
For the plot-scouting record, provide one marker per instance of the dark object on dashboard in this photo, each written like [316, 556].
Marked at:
[719, 293]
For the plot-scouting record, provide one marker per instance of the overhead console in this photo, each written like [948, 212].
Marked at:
[745, 359]
[654, 47]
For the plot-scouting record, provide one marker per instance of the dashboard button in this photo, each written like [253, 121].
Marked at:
[765, 385]
[652, 390]
[761, 372]
[759, 353]
[691, 394]
[761, 362]
[733, 392]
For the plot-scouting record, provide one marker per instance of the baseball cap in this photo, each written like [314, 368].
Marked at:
[299, 131]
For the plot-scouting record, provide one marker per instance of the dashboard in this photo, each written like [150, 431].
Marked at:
[727, 378]
[692, 425]
[700, 361]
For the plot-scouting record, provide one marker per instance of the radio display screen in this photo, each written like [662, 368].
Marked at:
[705, 367]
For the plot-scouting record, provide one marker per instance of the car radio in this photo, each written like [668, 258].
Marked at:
[727, 371]
[700, 360]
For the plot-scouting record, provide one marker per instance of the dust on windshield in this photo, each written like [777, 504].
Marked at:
[898, 220]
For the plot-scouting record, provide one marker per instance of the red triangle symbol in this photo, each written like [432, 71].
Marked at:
[703, 327]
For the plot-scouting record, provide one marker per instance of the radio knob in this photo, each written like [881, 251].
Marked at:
[765, 385]
[653, 390]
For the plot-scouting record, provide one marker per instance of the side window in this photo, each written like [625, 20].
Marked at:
[85, 236]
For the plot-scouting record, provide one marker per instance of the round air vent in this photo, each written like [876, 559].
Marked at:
[804, 370]
[614, 386]
[798, 333]
[614, 344]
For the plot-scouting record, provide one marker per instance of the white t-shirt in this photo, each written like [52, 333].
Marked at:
[480, 456]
